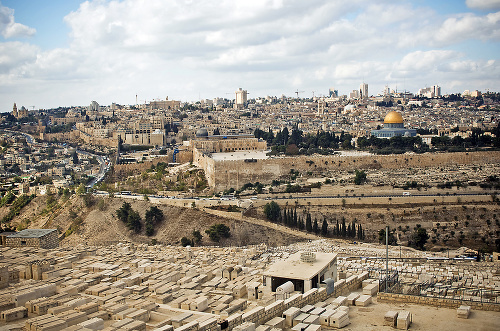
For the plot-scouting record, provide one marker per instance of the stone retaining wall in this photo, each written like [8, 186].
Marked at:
[435, 302]
[225, 174]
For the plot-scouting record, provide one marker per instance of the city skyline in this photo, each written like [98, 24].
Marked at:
[67, 53]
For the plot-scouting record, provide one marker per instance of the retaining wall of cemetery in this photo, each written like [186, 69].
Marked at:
[435, 302]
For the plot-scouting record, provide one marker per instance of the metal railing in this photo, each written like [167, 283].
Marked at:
[390, 281]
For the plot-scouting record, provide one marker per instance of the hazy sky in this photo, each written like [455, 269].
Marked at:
[69, 52]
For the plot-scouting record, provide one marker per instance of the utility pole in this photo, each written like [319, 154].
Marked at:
[386, 257]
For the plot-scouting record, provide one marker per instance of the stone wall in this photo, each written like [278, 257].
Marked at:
[351, 283]
[60, 136]
[236, 173]
[48, 241]
[4, 276]
[435, 302]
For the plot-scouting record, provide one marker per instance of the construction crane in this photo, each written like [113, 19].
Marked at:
[297, 92]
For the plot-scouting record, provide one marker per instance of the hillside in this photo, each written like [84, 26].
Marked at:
[98, 224]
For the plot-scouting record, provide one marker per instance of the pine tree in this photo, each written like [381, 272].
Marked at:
[343, 231]
[295, 218]
[285, 220]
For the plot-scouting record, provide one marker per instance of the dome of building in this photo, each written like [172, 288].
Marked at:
[393, 117]
[202, 132]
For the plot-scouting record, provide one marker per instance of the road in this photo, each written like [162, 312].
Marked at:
[103, 167]
[29, 138]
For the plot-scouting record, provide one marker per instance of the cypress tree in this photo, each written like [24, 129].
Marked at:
[324, 227]
[300, 224]
[315, 226]
[308, 223]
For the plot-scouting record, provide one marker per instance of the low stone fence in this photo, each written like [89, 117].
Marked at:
[435, 302]
[346, 286]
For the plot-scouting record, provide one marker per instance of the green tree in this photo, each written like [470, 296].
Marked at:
[315, 226]
[197, 237]
[134, 221]
[392, 239]
[324, 227]
[88, 199]
[153, 216]
[81, 189]
[419, 238]
[360, 177]
[300, 224]
[216, 231]
[123, 211]
[150, 230]
[272, 211]
[360, 233]
[186, 242]
[309, 223]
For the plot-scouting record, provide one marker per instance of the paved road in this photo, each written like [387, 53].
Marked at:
[103, 168]
[29, 138]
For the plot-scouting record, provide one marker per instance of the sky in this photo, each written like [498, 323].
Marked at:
[70, 52]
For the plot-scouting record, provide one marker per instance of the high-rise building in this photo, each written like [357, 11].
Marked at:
[321, 107]
[94, 106]
[241, 98]
[437, 90]
[430, 92]
[363, 89]
[354, 94]
[333, 92]
[387, 90]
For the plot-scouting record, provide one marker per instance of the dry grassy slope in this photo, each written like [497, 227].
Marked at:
[35, 207]
[99, 227]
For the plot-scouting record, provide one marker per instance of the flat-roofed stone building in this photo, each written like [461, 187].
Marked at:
[40, 238]
[306, 270]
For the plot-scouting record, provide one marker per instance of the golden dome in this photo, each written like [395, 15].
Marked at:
[393, 117]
